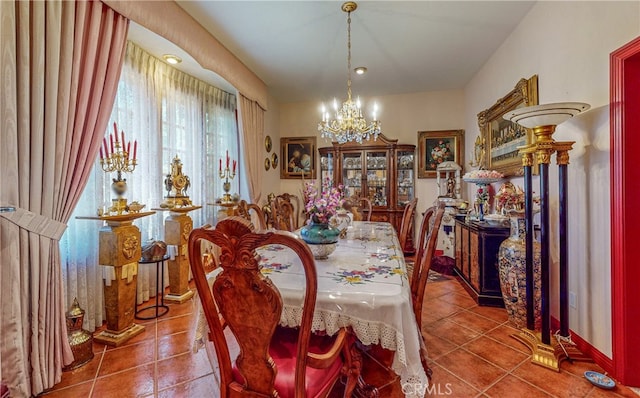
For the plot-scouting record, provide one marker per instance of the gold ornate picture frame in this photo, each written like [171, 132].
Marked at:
[502, 137]
[297, 157]
[435, 147]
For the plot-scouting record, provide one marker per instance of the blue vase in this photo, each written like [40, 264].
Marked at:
[319, 233]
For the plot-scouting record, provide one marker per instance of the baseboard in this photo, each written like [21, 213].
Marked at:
[586, 348]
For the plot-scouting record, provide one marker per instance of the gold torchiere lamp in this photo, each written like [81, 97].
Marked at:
[543, 119]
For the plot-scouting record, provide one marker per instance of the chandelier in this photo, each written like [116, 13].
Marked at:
[348, 123]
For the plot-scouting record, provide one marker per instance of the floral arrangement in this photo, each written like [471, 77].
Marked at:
[321, 205]
[510, 197]
[482, 194]
[440, 153]
[478, 174]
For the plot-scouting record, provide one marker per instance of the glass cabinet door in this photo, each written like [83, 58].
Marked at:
[405, 177]
[376, 171]
[352, 173]
[326, 169]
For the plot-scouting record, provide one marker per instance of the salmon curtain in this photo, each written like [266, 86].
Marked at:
[61, 64]
[251, 130]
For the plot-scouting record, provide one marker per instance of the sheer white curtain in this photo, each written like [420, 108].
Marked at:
[166, 111]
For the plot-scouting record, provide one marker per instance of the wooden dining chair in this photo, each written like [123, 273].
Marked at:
[294, 201]
[422, 266]
[405, 227]
[273, 361]
[244, 211]
[283, 215]
[411, 260]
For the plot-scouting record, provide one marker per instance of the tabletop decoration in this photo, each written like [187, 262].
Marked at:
[509, 197]
[482, 179]
[227, 174]
[320, 206]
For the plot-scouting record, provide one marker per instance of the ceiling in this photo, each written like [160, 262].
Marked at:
[299, 48]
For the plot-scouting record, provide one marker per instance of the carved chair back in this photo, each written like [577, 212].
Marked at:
[283, 215]
[359, 207]
[423, 262]
[405, 227]
[295, 203]
[250, 305]
[244, 211]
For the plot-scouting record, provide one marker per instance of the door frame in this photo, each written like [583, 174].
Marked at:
[625, 217]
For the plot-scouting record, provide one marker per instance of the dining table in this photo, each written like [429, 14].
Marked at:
[362, 285]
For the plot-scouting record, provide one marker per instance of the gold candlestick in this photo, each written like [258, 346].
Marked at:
[118, 160]
[227, 174]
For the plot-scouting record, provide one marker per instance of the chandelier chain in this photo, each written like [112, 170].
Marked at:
[348, 124]
[349, 55]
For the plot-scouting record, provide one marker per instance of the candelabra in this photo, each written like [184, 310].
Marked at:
[543, 119]
[116, 157]
[226, 174]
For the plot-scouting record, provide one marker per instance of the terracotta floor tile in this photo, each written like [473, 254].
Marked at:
[177, 324]
[560, 384]
[579, 367]
[149, 334]
[127, 357]
[174, 344]
[618, 391]
[182, 368]
[175, 309]
[444, 383]
[452, 331]
[206, 386]
[474, 321]
[438, 309]
[511, 386]
[78, 390]
[84, 373]
[134, 382]
[497, 314]
[503, 334]
[460, 299]
[498, 354]
[470, 368]
[437, 346]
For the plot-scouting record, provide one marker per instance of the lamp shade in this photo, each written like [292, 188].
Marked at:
[545, 115]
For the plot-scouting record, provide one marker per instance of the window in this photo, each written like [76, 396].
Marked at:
[169, 113]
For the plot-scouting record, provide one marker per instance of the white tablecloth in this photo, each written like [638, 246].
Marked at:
[362, 285]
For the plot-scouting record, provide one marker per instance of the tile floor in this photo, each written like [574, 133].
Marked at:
[470, 349]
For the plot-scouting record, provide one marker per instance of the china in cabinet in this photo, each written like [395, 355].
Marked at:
[381, 170]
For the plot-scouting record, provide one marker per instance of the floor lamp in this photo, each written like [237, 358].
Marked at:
[542, 120]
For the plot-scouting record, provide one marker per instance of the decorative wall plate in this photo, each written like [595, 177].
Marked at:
[274, 160]
[267, 143]
[267, 163]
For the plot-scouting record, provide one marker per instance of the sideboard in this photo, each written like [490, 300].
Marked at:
[476, 247]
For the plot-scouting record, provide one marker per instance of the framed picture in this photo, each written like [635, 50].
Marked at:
[501, 138]
[298, 157]
[435, 147]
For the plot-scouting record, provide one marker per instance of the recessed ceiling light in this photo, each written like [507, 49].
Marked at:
[360, 70]
[172, 59]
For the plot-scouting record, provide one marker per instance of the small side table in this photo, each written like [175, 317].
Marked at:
[160, 306]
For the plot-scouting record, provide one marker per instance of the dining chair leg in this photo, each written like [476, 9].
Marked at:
[355, 385]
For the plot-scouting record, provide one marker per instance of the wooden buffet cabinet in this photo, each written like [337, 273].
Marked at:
[477, 245]
[381, 170]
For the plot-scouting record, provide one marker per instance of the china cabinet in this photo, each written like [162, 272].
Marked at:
[381, 170]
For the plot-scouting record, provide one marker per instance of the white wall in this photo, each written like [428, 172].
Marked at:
[402, 116]
[271, 178]
[567, 44]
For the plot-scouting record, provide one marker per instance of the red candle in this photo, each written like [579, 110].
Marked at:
[101, 154]
[123, 141]
[227, 159]
[128, 150]
[115, 130]
[111, 136]
[135, 149]
[234, 167]
[220, 164]
[106, 148]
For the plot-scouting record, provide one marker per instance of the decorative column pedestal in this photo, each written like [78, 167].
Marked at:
[542, 120]
[119, 252]
[177, 228]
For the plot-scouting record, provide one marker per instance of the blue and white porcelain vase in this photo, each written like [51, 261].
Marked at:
[513, 274]
[321, 238]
